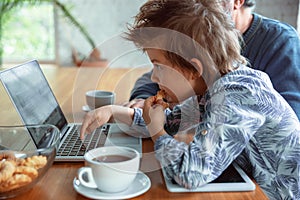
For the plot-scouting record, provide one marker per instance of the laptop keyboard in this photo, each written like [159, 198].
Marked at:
[74, 146]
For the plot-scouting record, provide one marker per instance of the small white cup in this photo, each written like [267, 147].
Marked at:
[115, 171]
[98, 98]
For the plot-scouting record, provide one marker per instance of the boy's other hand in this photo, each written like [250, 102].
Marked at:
[153, 114]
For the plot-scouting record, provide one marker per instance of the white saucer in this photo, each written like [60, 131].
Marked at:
[140, 185]
[86, 108]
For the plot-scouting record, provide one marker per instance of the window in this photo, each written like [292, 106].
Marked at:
[29, 33]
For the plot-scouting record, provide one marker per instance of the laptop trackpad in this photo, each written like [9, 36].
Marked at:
[118, 136]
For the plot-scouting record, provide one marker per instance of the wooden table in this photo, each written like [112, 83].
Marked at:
[69, 86]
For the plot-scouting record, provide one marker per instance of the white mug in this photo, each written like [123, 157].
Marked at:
[110, 169]
[98, 98]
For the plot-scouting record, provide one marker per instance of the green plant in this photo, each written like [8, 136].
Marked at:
[7, 8]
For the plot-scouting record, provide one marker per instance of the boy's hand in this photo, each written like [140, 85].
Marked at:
[94, 119]
[153, 114]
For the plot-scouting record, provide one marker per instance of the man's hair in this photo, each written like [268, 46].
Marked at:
[250, 3]
[228, 4]
[166, 25]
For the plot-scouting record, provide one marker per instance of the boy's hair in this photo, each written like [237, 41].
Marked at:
[213, 38]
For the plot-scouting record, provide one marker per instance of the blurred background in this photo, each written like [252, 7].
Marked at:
[65, 32]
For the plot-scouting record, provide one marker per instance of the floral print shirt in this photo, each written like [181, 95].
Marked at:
[241, 118]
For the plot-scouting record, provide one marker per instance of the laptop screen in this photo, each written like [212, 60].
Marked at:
[32, 96]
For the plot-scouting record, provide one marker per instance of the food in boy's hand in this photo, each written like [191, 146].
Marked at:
[159, 99]
[17, 172]
[161, 94]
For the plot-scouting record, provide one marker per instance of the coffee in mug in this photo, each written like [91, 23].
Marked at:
[111, 158]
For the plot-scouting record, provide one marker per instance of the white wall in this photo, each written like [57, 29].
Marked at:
[283, 10]
[105, 20]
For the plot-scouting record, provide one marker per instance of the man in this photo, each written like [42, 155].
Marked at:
[269, 46]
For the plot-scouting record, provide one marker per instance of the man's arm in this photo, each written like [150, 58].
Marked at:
[276, 51]
[144, 87]
[285, 72]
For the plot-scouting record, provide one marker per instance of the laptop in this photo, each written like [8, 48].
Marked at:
[233, 179]
[35, 102]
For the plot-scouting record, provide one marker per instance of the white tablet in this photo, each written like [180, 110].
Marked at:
[232, 179]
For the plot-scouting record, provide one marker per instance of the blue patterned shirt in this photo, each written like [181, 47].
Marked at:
[241, 118]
